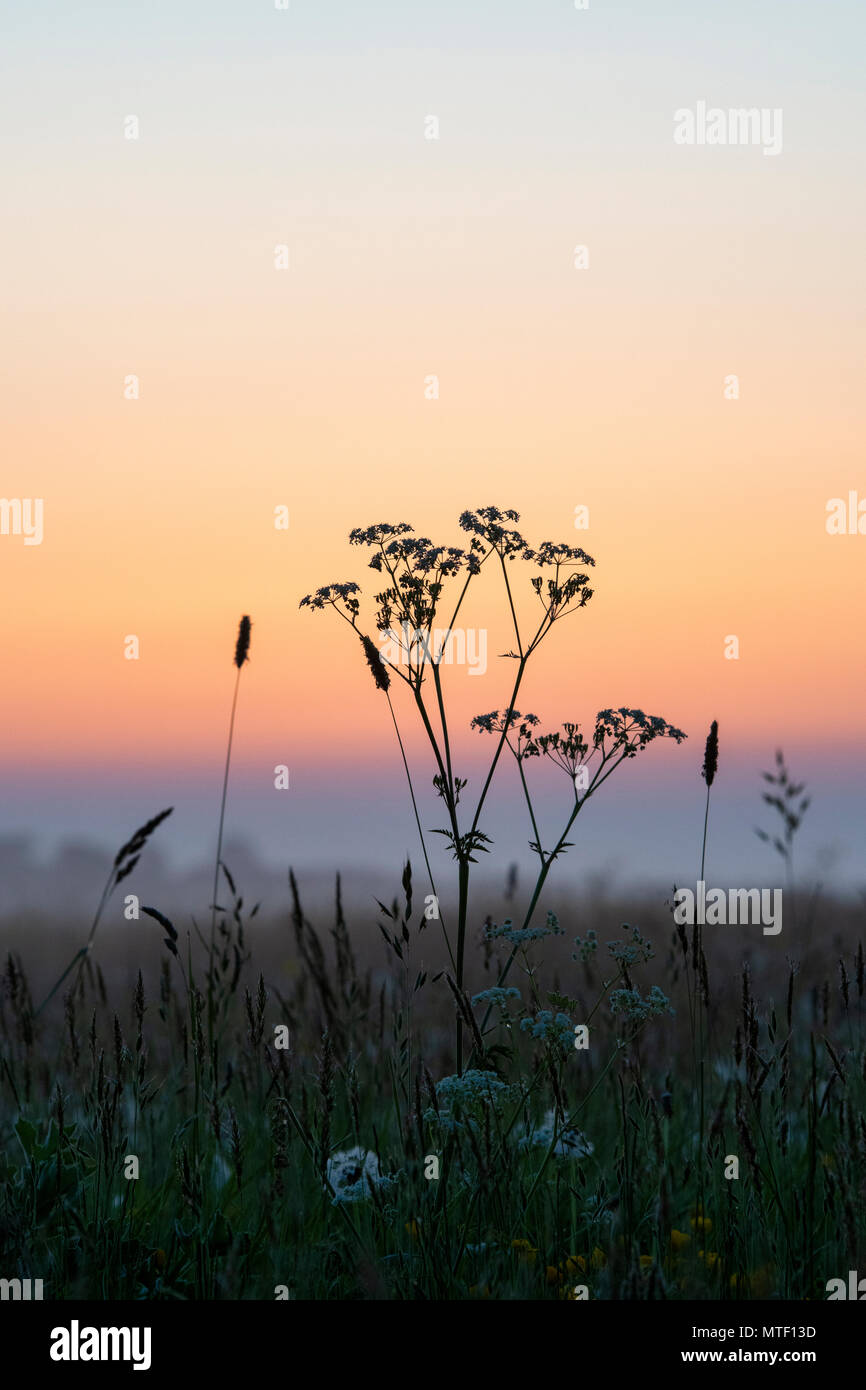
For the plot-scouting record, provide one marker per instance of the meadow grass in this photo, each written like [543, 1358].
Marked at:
[324, 1112]
[304, 1167]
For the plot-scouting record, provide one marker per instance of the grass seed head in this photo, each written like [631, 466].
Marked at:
[242, 646]
[375, 663]
[711, 755]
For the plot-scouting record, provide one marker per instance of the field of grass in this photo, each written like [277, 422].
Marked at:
[434, 1097]
[299, 1171]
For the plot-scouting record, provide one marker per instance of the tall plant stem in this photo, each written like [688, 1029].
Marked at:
[697, 966]
[704, 845]
[501, 744]
[420, 830]
[84, 951]
[546, 864]
[463, 877]
[462, 906]
[216, 870]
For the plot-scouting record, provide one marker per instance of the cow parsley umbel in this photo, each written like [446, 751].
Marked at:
[423, 582]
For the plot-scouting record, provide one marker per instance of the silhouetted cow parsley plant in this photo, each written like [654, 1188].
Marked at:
[416, 575]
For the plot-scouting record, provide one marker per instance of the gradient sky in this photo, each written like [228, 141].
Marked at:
[558, 387]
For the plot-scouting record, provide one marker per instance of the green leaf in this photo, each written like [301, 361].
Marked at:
[26, 1136]
[219, 1236]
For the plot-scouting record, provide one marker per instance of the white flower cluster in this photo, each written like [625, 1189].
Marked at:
[631, 1004]
[468, 1095]
[585, 949]
[469, 1089]
[631, 951]
[555, 1028]
[496, 996]
[516, 936]
[353, 1173]
[570, 1144]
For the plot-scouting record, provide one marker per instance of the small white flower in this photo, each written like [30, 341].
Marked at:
[353, 1172]
[559, 1029]
[570, 1144]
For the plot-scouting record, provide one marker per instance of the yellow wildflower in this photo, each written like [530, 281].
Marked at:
[525, 1251]
[758, 1283]
[761, 1281]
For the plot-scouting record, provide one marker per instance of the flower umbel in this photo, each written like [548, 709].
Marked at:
[354, 1173]
[630, 1004]
[570, 1144]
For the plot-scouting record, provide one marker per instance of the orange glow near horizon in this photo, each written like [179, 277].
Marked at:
[559, 387]
[668, 591]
